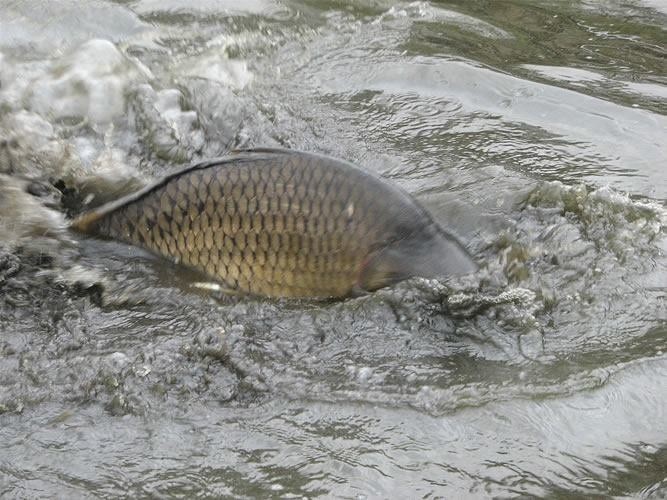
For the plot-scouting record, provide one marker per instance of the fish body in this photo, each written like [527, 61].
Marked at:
[284, 223]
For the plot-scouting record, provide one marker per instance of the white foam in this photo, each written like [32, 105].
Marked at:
[24, 217]
[215, 65]
[89, 83]
[33, 148]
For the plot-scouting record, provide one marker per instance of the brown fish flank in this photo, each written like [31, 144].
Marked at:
[283, 223]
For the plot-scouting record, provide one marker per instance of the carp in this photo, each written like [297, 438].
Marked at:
[284, 223]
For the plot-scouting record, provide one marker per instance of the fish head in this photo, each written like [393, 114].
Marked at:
[427, 253]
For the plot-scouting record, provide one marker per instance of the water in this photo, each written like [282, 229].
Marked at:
[536, 131]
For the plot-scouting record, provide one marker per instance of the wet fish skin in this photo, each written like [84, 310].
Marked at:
[284, 223]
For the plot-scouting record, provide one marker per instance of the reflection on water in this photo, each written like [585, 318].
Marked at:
[532, 130]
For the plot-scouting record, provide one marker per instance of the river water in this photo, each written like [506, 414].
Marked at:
[535, 131]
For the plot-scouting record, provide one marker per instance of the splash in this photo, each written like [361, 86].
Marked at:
[88, 84]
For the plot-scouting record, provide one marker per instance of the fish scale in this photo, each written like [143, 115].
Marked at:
[279, 223]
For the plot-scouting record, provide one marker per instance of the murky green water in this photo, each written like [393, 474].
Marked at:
[536, 131]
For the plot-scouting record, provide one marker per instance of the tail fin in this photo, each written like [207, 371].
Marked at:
[87, 222]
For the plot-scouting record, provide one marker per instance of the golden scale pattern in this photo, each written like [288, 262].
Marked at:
[291, 226]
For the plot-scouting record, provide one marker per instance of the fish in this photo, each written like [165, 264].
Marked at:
[284, 223]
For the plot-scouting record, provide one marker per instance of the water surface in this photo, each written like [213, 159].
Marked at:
[535, 131]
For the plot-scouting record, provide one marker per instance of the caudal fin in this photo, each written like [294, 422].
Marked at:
[87, 222]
